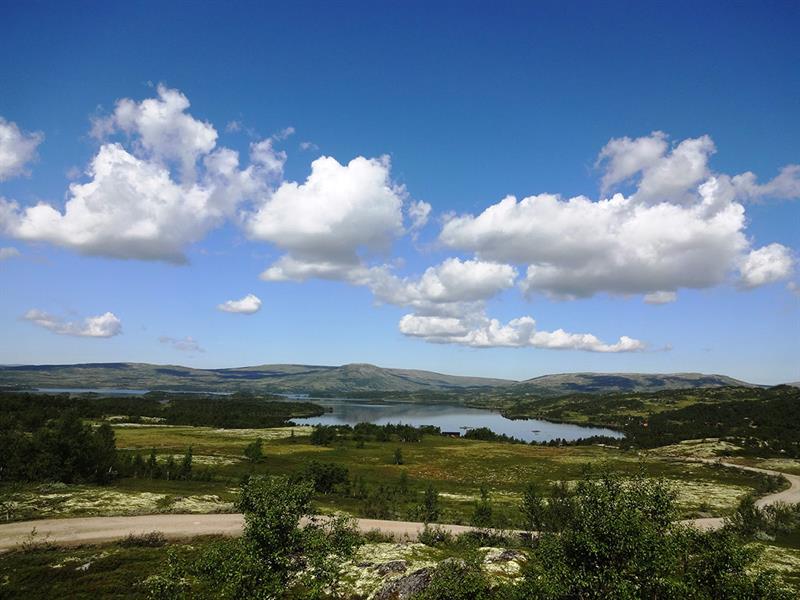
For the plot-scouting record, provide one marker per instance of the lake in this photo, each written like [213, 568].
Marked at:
[344, 411]
[447, 417]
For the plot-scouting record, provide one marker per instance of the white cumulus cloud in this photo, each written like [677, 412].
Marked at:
[17, 149]
[451, 282]
[162, 128]
[133, 206]
[682, 227]
[101, 326]
[246, 306]
[326, 224]
[624, 157]
[785, 186]
[481, 332]
[766, 265]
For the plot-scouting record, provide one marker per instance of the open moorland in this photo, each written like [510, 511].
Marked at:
[85, 455]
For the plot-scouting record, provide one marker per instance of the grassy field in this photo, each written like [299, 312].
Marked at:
[457, 468]
[87, 572]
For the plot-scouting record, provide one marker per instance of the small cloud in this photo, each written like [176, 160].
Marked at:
[792, 286]
[9, 252]
[233, 126]
[187, 344]
[246, 306]
[309, 146]
[283, 133]
[17, 149]
[418, 213]
[101, 326]
[660, 297]
[766, 265]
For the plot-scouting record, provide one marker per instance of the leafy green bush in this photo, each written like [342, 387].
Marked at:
[619, 540]
[275, 558]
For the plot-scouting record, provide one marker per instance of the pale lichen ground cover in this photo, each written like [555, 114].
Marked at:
[705, 448]
[205, 460]
[58, 500]
[784, 465]
[783, 560]
[362, 577]
[709, 497]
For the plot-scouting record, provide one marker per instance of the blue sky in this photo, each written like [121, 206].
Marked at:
[451, 107]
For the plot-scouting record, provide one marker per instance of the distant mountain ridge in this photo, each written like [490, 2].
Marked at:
[350, 378]
[279, 378]
[591, 383]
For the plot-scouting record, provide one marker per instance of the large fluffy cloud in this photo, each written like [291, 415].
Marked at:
[452, 281]
[162, 128]
[682, 227]
[133, 206]
[101, 326]
[328, 222]
[17, 149]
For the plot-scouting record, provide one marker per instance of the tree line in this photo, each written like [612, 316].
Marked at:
[32, 410]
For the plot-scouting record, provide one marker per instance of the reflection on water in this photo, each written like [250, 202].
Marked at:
[344, 411]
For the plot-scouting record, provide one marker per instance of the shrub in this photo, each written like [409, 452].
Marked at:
[152, 539]
[432, 535]
[458, 579]
[619, 540]
[274, 558]
[325, 477]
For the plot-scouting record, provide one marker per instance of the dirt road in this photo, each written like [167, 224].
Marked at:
[93, 530]
[790, 495]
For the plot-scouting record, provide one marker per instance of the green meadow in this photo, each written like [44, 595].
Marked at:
[376, 486]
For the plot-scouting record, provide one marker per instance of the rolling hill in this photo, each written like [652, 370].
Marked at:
[591, 383]
[352, 378]
[272, 378]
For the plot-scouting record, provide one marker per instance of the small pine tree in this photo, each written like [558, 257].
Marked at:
[170, 468]
[398, 456]
[429, 510]
[186, 465]
[153, 468]
[254, 452]
[402, 484]
[533, 508]
[482, 515]
[139, 466]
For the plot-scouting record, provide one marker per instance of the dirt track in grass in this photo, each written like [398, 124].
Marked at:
[95, 530]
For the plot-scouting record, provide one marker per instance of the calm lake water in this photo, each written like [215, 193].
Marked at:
[344, 411]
